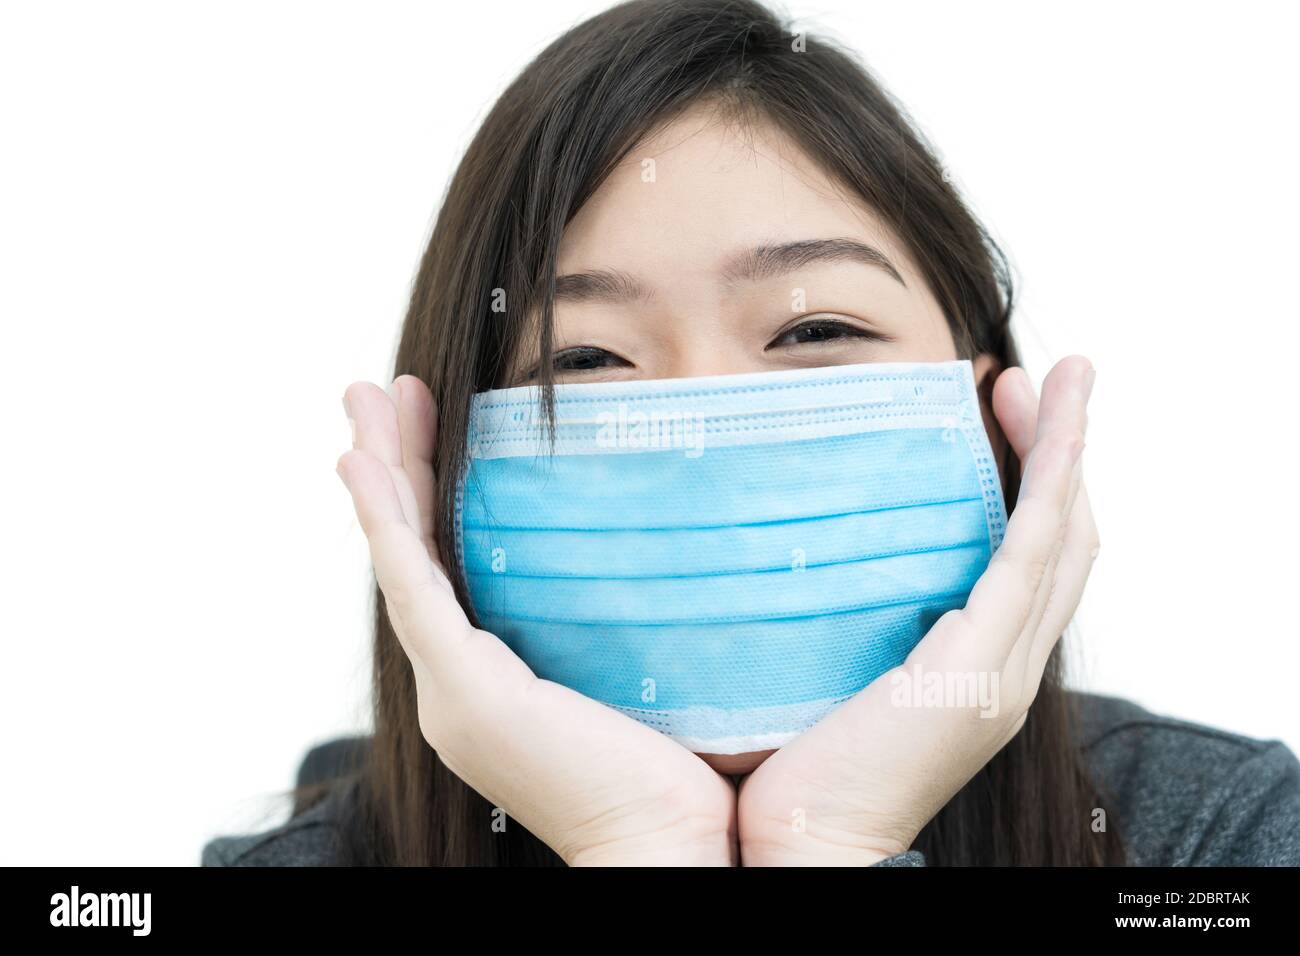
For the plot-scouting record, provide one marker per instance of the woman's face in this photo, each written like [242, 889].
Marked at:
[713, 250]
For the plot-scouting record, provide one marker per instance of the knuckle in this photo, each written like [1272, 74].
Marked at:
[399, 598]
[957, 627]
[403, 595]
[1035, 568]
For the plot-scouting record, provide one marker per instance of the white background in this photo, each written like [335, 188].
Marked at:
[210, 215]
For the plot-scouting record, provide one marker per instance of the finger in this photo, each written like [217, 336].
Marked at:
[1018, 666]
[1078, 554]
[1007, 596]
[1015, 405]
[375, 430]
[419, 596]
[1002, 600]
[1066, 392]
[417, 425]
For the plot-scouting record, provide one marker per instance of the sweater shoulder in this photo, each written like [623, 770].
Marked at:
[312, 838]
[1186, 793]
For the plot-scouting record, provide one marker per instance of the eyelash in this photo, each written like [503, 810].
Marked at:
[582, 351]
[842, 330]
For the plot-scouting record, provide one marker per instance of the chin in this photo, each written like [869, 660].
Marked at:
[736, 764]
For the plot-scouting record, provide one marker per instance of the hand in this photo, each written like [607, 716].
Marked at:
[593, 784]
[867, 778]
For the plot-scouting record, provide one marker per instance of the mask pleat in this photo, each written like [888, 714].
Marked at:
[723, 487]
[739, 666]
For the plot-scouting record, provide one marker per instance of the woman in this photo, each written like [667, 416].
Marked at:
[590, 235]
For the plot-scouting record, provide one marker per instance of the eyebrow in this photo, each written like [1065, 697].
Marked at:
[766, 262]
[599, 285]
[761, 262]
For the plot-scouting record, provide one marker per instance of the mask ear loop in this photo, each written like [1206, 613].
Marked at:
[986, 469]
[473, 449]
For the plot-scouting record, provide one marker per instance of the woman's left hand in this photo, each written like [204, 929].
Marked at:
[860, 785]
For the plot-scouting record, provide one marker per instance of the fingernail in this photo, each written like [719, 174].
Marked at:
[1089, 377]
[352, 424]
[393, 393]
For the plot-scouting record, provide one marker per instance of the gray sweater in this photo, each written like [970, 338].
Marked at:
[1184, 795]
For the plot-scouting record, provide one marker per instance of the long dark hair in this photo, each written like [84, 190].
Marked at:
[547, 144]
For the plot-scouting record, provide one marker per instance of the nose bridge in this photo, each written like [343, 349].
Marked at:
[703, 346]
[700, 334]
[697, 366]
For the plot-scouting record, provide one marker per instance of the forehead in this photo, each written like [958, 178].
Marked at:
[706, 185]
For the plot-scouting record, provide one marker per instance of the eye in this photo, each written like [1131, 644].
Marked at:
[822, 330]
[585, 358]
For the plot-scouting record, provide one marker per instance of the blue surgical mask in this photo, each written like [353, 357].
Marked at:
[727, 559]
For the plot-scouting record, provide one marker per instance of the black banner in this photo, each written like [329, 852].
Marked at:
[367, 905]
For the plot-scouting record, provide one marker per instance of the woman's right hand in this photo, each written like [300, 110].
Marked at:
[592, 783]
